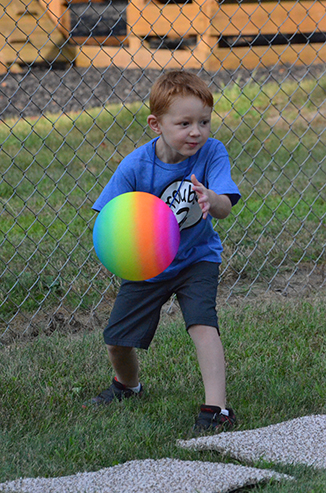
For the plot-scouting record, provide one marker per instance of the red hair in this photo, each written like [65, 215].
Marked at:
[177, 83]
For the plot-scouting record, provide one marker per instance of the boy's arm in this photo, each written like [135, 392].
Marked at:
[218, 206]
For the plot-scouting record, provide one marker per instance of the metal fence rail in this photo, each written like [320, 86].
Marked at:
[75, 77]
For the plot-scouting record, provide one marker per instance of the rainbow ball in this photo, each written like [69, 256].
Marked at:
[136, 236]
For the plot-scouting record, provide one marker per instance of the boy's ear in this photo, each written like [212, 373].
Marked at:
[154, 124]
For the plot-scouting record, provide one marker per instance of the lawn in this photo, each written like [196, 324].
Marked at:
[276, 362]
[52, 171]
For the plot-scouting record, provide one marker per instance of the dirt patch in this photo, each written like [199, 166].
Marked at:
[65, 321]
[306, 282]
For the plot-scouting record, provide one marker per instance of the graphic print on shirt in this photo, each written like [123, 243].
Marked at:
[185, 205]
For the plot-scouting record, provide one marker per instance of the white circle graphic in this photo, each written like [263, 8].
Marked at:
[184, 203]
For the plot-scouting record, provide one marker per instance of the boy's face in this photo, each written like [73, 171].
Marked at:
[183, 129]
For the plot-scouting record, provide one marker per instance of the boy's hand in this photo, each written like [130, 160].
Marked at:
[218, 206]
[202, 195]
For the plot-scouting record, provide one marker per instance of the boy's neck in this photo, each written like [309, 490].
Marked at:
[165, 156]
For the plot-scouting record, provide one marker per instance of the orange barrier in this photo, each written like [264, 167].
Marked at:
[205, 34]
[30, 32]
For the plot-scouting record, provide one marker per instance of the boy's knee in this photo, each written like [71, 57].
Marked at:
[118, 350]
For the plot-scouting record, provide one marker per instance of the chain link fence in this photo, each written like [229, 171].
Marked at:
[74, 81]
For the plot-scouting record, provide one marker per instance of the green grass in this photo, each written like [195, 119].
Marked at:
[276, 362]
[53, 169]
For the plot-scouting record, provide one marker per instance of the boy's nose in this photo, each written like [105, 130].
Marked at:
[194, 130]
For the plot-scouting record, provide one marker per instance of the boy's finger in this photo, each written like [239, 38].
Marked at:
[194, 180]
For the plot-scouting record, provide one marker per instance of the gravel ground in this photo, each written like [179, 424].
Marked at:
[148, 476]
[64, 88]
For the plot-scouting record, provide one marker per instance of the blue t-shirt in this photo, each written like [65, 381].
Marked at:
[142, 171]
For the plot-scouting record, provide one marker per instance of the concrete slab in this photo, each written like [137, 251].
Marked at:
[298, 441]
[148, 476]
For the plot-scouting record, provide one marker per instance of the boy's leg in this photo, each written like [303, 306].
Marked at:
[214, 416]
[125, 364]
[132, 324]
[210, 356]
[197, 297]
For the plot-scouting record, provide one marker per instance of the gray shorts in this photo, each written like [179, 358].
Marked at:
[137, 309]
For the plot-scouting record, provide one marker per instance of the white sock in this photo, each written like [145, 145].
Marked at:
[135, 389]
[225, 412]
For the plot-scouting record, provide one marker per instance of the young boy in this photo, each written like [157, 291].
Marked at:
[191, 173]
